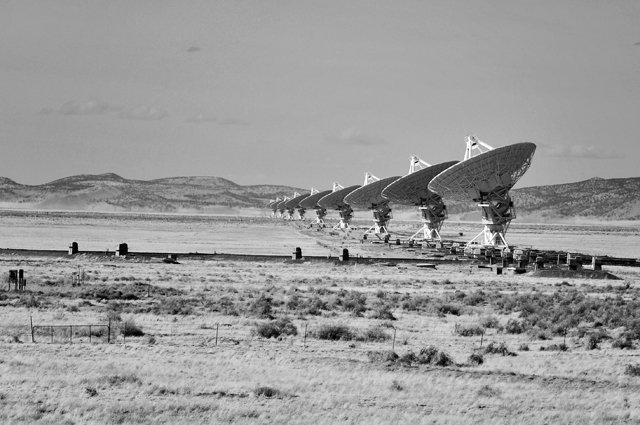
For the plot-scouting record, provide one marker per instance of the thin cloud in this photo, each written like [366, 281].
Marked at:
[202, 118]
[577, 151]
[193, 49]
[88, 107]
[233, 121]
[144, 112]
[354, 136]
[46, 111]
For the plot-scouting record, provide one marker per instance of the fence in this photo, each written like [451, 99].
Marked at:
[385, 337]
[172, 333]
[82, 331]
[68, 333]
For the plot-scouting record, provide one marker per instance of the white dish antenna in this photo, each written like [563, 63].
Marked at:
[370, 196]
[311, 201]
[293, 204]
[486, 178]
[274, 207]
[413, 189]
[335, 201]
[282, 209]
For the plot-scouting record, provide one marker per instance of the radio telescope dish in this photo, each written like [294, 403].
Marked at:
[285, 210]
[293, 203]
[412, 189]
[335, 201]
[487, 178]
[274, 207]
[370, 196]
[282, 209]
[311, 201]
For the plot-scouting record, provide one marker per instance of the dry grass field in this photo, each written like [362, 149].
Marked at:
[218, 340]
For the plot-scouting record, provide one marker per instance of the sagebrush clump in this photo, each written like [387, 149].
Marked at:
[275, 328]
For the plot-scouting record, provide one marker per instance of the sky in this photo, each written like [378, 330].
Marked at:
[304, 93]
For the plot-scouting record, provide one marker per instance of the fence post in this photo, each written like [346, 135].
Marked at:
[89, 334]
[31, 322]
[393, 346]
[304, 342]
[482, 338]
[217, 326]
[124, 333]
[71, 334]
[51, 332]
[109, 332]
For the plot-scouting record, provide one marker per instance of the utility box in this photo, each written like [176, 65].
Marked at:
[345, 255]
[123, 249]
[73, 248]
[297, 254]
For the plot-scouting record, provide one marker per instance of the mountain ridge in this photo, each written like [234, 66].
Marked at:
[594, 198]
[111, 192]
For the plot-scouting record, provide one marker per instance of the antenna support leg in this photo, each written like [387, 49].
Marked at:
[381, 218]
[321, 213]
[346, 214]
[497, 213]
[433, 216]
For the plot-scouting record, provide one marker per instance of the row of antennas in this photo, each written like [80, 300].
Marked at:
[416, 163]
[474, 147]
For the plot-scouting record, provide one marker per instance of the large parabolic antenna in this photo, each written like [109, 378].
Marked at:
[311, 201]
[282, 209]
[370, 196]
[413, 189]
[274, 207]
[268, 205]
[335, 201]
[294, 203]
[486, 178]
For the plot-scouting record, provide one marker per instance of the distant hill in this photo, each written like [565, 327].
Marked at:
[596, 198]
[110, 192]
[593, 199]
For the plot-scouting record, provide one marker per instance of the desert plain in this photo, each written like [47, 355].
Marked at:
[226, 338]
